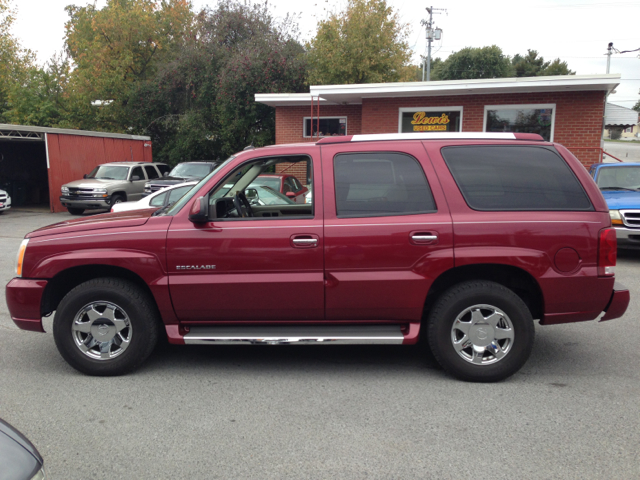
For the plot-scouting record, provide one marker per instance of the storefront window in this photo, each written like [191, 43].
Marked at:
[329, 126]
[521, 119]
[418, 120]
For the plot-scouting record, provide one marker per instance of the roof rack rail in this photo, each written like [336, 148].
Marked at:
[433, 136]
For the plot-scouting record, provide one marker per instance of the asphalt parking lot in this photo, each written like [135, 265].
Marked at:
[313, 412]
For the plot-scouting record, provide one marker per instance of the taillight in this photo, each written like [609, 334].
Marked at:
[607, 252]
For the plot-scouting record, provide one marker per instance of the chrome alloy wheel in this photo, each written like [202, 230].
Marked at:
[101, 330]
[482, 334]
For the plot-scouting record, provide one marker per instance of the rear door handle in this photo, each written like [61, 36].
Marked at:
[424, 238]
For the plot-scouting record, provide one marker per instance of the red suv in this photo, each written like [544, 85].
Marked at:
[464, 239]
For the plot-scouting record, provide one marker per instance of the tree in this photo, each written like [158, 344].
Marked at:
[41, 99]
[115, 47]
[531, 65]
[364, 44]
[202, 103]
[636, 107]
[483, 62]
[15, 61]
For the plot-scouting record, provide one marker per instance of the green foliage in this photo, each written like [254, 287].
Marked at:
[364, 44]
[202, 104]
[532, 65]
[15, 61]
[484, 62]
[636, 107]
[115, 48]
[41, 100]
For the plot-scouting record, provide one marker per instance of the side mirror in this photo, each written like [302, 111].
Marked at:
[135, 178]
[85, 176]
[290, 195]
[165, 174]
[199, 212]
[252, 194]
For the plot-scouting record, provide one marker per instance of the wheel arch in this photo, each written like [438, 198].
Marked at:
[66, 280]
[521, 282]
[122, 193]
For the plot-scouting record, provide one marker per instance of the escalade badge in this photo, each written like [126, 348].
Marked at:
[195, 267]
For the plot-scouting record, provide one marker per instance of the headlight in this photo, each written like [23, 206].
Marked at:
[99, 190]
[616, 218]
[147, 185]
[20, 259]
[64, 190]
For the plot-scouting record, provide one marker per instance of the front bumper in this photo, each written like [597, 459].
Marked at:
[5, 205]
[86, 203]
[24, 298]
[628, 236]
[618, 303]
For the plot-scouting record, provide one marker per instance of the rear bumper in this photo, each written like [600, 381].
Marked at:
[618, 303]
[24, 297]
[616, 307]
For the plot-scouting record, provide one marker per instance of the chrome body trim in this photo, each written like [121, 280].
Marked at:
[295, 335]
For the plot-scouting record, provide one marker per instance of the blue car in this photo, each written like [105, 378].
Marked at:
[620, 186]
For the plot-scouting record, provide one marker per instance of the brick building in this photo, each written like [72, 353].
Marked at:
[564, 109]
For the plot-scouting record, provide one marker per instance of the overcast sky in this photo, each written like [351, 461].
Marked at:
[577, 31]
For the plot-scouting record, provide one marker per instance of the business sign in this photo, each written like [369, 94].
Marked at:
[430, 121]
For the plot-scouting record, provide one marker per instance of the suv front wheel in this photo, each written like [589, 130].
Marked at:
[106, 326]
[480, 331]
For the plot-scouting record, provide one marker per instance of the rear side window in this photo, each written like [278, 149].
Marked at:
[380, 184]
[163, 169]
[151, 172]
[497, 178]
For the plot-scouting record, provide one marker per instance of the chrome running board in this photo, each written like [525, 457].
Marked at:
[296, 335]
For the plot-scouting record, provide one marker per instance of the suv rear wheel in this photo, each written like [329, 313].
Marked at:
[106, 326]
[480, 331]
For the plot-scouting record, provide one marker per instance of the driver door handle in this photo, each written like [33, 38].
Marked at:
[304, 241]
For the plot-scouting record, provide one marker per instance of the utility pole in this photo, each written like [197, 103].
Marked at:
[432, 34]
[609, 52]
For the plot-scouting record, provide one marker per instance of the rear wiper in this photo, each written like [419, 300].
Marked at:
[620, 188]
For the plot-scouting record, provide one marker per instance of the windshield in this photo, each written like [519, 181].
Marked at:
[619, 178]
[271, 182]
[109, 172]
[189, 195]
[196, 170]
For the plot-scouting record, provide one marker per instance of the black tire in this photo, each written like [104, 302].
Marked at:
[75, 211]
[117, 198]
[139, 310]
[479, 298]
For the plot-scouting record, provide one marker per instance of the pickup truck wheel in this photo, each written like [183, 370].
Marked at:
[75, 211]
[480, 331]
[117, 199]
[106, 326]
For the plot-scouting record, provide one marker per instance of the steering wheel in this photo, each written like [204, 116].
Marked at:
[239, 201]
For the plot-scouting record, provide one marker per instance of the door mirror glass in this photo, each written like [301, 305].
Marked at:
[252, 195]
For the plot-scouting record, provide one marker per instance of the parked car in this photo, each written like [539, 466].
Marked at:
[286, 184]
[109, 184]
[19, 459]
[161, 198]
[5, 201]
[183, 172]
[620, 186]
[463, 239]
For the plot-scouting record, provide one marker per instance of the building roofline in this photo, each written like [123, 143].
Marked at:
[355, 93]
[69, 131]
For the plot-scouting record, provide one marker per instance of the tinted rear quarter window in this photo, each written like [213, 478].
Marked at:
[380, 184]
[496, 178]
